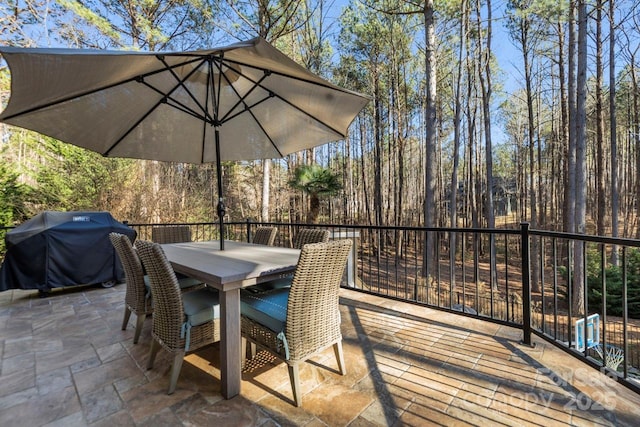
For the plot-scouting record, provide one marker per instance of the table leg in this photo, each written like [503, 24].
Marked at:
[230, 343]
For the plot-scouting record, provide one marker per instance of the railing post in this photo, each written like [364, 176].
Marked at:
[248, 220]
[526, 283]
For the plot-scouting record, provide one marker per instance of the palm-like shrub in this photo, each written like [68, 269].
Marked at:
[317, 182]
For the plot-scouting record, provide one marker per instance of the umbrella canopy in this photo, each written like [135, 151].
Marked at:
[244, 101]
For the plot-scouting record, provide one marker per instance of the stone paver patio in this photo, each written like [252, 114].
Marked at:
[65, 362]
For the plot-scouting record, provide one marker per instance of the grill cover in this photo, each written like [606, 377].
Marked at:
[57, 249]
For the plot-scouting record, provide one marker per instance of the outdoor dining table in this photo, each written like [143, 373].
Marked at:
[238, 266]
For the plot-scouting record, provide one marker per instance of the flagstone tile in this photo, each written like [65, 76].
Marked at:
[529, 406]
[386, 406]
[125, 384]
[238, 412]
[20, 362]
[164, 418]
[17, 381]
[17, 328]
[53, 381]
[27, 395]
[119, 419]
[281, 409]
[74, 420]
[335, 404]
[106, 373]
[49, 360]
[100, 403]
[44, 344]
[44, 410]
[111, 351]
[16, 346]
[85, 364]
[151, 398]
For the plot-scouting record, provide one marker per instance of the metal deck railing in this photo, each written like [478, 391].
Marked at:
[517, 277]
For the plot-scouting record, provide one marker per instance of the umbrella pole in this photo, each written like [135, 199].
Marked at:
[221, 208]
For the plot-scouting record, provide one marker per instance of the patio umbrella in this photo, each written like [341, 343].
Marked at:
[244, 101]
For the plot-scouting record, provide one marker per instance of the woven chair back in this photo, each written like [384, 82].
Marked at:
[313, 315]
[168, 314]
[310, 235]
[171, 234]
[136, 293]
[265, 235]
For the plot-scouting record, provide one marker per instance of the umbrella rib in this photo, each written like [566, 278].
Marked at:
[266, 134]
[275, 95]
[241, 98]
[324, 85]
[181, 83]
[258, 83]
[247, 108]
[166, 97]
[311, 116]
[216, 93]
[177, 104]
[144, 116]
[206, 106]
[92, 91]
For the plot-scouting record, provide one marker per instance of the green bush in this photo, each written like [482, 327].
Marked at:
[614, 285]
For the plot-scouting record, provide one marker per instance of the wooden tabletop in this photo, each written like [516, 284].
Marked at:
[239, 265]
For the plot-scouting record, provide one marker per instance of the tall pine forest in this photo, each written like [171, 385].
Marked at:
[482, 113]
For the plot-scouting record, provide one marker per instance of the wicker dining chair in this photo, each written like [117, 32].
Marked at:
[297, 323]
[171, 234]
[310, 235]
[176, 234]
[304, 236]
[182, 322]
[137, 298]
[265, 235]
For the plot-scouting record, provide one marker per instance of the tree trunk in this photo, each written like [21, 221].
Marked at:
[612, 131]
[314, 208]
[377, 149]
[564, 126]
[453, 197]
[581, 136]
[636, 135]
[570, 192]
[485, 85]
[601, 197]
[431, 166]
[531, 132]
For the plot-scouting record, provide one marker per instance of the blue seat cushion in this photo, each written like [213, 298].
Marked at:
[271, 285]
[147, 284]
[268, 308]
[201, 306]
